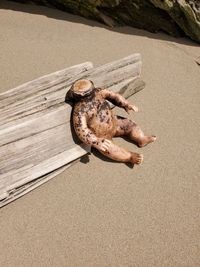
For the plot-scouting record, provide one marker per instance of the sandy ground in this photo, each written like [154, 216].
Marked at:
[104, 213]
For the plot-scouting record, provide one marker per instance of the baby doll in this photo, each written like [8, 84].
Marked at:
[96, 125]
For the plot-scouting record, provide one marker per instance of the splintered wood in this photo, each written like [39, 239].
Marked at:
[36, 138]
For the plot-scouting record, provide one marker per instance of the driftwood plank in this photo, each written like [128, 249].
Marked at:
[36, 139]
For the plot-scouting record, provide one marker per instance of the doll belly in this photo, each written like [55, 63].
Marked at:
[103, 128]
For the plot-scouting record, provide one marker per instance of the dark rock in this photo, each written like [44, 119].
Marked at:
[175, 17]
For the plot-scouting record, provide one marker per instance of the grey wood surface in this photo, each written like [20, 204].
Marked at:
[36, 138]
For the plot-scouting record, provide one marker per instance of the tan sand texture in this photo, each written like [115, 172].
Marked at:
[100, 213]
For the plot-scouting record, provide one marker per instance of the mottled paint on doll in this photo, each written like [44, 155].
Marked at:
[95, 124]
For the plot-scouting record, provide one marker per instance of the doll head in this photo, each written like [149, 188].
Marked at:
[82, 88]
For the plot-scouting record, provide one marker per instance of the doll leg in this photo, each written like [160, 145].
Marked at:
[121, 154]
[126, 127]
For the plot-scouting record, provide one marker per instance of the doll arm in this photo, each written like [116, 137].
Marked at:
[118, 100]
[86, 135]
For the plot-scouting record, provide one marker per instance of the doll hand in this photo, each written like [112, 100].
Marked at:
[103, 144]
[131, 107]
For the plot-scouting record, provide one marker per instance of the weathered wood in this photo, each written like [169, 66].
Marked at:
[36, 139]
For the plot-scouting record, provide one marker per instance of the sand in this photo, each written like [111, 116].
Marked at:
[100, 213]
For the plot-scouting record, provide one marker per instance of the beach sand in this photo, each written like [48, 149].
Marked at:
[101, 213]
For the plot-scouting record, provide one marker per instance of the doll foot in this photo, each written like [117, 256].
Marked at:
[147, 140]
[136, 158]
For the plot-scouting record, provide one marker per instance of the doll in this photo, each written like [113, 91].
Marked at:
[96, 125]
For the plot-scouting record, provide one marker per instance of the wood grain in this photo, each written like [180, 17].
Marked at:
[36, 138]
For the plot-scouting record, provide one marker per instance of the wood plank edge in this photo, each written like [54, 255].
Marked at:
[26, 188]
[86, 65]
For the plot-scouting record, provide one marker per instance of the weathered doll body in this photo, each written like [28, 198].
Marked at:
[96, 125]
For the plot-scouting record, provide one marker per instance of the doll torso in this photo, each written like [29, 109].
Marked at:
[99, 116]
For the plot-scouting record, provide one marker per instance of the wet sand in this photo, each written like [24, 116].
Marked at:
[100, 213]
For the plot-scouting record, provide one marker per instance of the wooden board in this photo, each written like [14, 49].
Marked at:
[36, 139]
